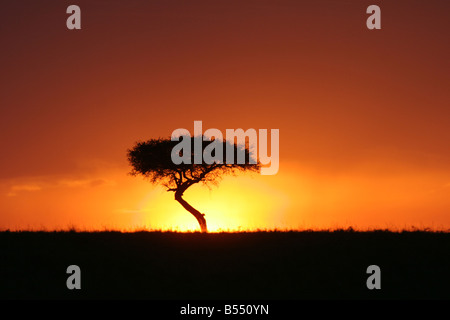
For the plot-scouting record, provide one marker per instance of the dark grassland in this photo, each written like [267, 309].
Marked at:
[257, 265]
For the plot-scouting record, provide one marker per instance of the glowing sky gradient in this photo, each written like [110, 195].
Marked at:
[364, 116]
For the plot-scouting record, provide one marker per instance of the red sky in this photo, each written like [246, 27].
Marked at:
[364, 115]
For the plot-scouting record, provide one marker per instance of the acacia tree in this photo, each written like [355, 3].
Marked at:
[153, 159]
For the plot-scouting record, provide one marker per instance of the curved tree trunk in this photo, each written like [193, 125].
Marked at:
[197, 214]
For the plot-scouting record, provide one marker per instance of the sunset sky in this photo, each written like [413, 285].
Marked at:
[364, 115]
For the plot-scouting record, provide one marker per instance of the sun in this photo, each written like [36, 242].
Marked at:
[236, 204]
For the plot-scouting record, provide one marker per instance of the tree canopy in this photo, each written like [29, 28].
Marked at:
[153, 160]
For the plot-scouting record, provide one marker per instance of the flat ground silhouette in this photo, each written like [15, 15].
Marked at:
[256, 265]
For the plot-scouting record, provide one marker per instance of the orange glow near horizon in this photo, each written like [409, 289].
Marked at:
[291, 200]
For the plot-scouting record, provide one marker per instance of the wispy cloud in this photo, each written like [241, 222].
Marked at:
[32, 186]
[73, 183]
[135, 211]
[23, 187]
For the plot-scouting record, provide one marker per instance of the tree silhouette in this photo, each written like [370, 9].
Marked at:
[153, 160]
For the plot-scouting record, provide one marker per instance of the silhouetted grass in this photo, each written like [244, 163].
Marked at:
[271, 264]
